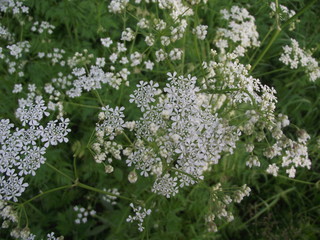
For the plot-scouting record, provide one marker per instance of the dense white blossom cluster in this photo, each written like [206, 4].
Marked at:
[294, 57]
[117, 6]
[20, 152]
[200, 31]
[189, 138]
[17, 49]
[241, 29]
[184, 127]
[238, 85]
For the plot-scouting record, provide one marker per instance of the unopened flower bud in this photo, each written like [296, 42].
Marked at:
[108, 169]
[132, 177]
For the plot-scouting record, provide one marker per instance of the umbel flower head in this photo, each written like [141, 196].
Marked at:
[177, 137]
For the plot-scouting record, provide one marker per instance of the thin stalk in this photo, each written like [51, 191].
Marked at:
[46, 192]
[262, 42]
[75, 168]
[266, 49]
[128, 139]
[81, 185]
[89, 142]
[270, 205]
[58, 171]
[294, 17]
[99, 98]
[278, 31]
[26, 216]
[296, 180]
[83, 105]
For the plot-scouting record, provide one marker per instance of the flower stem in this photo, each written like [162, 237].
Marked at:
[46, 192]
[296, 180]
[277, 31]
[58, 171]
[81, 185]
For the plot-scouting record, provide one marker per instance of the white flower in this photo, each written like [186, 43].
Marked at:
[273, 169]
[17, 88]
[149, 65]
[200, 31]
[106, 42]
[140, 214]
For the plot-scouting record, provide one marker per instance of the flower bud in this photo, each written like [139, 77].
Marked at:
[108, 169]
[132, 177]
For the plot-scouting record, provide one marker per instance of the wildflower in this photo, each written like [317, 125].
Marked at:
[140, 214]
[200, 31]
[106, 42]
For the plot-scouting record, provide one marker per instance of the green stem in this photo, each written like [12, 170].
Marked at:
[26, 216]
[128, 139]
[266, 49]
[278, 31]
[294, 17]
[89, 142]
[296, 180]
[58, 171]
[270, 72]
[81, 185]
[83, 105]
[262, 42]
[46, 192]
[99, 98]
[75, 168]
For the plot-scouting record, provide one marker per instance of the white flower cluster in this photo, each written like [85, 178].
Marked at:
[221, 201]
[106, 42]
[293, 56]
[189, 138]
[80, 58]
[176, 8]
[112, 122]
[293, 153]
[20, 152]
[241, 29]
[127, 35]
[200, 31]
[17, 49]
[14, 6]
[111, 199]
[140, 214]
[10, 218]
[284, 14]
[83, 214]
[42, 27]
[56, 57]
[5, 34]
[94, 79]
[238, 85]
[117, 6]
[8, 214]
